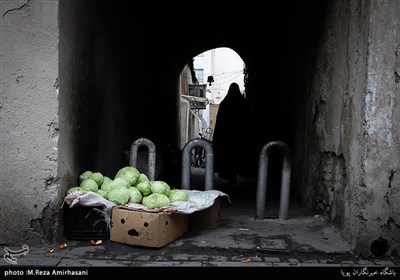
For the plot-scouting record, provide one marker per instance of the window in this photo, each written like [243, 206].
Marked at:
[199, 75]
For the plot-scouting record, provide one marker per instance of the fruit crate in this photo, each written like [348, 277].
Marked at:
[84, 223]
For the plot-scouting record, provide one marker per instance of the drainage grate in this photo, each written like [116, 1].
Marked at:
[272, 244]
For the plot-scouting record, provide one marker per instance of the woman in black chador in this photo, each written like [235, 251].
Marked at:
[233, 137]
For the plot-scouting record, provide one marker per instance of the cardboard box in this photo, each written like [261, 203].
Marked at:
[146, 229]
[208, 218]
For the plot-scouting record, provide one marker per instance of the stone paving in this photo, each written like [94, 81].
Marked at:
[80, 253]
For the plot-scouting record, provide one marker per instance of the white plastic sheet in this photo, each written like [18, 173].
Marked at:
[198, 200]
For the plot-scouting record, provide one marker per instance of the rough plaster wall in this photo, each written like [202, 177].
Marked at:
[353, 113]
[333, 135]
[338, 114]
[381, 190]
[333, 127]
[75, 85]
[352, 140]
[73, 80]
[28, 120]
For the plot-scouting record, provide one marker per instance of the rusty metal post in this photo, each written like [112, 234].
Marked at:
[151, 149]
[209, 163]
[262, 180]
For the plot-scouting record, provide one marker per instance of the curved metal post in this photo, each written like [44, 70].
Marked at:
[151, 148]
[262, 180]
[209, 163]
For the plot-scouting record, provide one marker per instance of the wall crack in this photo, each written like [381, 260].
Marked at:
[17, 8]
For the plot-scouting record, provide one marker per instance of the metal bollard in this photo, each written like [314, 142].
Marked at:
[186, 163]
[151, 148]
[262, 180]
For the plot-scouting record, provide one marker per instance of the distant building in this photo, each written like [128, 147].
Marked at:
[225, 66]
